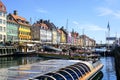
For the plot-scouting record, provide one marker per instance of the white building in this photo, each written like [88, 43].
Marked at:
[2, 22]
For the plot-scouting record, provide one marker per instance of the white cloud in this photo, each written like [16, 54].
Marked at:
[75, 22]
[93, 27]
[102, 11]
[111, 2]
[89, 27]
[42, 10]
[117, 14]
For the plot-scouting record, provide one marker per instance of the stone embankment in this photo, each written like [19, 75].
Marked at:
[116, 53]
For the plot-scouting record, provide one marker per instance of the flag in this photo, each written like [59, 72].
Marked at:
[108, 27]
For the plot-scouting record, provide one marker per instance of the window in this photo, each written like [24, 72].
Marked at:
[0, 37]
[18, 20]
[8, 37]
[15, 38]
[10, 18]
[4, 14]
[0, 28]
[0, 13]
[4, 22]
[0, 21]
[4, 29]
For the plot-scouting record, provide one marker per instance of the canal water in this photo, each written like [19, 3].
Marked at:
[108, 70]
[6, 62]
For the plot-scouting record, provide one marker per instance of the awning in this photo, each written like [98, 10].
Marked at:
[30, 44]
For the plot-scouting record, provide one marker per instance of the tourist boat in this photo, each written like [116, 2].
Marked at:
[55, 70]
[50, 48]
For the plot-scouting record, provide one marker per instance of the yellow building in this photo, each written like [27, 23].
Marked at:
[24, 30]
[63, 38]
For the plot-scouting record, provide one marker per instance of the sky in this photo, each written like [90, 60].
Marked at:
[89, 17]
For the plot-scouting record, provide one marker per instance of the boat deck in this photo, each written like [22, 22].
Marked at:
[35, 70]
[28, 71]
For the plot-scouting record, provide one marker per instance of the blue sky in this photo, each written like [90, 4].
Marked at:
[90, 16]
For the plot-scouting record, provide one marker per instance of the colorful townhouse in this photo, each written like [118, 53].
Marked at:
[18, 28]
[45, 32]
[75, 38]
[2, 22]
[87, 42]
[92, 42]
[36, 32]
[54, 34]
[59, 33]
[69, 38]
[49, 31]
[41, 32]
[12, 29]
[63, 39]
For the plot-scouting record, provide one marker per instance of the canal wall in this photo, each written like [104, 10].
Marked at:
[7, 50]
[116, 53]
[105, 54]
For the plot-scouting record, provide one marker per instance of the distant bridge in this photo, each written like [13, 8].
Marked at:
[104, 45]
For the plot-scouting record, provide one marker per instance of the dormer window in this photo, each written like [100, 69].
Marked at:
[27, 22]
[22, 21]
[10, 18]
[18, 20]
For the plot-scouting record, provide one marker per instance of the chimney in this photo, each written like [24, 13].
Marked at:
[15, 12]
[41, 20]
[48, 21]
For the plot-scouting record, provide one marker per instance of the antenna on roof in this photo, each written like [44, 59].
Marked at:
[67, 24]
[30, 20]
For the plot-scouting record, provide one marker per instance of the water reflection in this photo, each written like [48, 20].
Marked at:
[6, 62]
[109, 68]
[99, 76]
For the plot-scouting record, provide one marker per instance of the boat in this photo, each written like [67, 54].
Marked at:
[77, 70]
[55, 69]
[50, 48]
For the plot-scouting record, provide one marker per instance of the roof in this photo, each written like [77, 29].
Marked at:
[22, 21]
[64, 30]
[2, 7]
[11, 21]
[59, 31]
[37, 24]
[18, 17]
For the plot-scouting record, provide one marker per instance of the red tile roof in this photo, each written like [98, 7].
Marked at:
[22, 20]
[18, 17]
[2, 7]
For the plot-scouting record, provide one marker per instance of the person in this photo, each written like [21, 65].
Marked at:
[69, 51]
